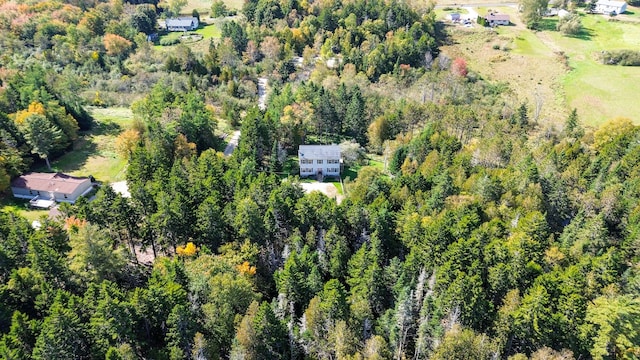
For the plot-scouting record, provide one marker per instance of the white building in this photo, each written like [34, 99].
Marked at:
[182, 24]
[610, 7]
[497, 19]
[319, 160]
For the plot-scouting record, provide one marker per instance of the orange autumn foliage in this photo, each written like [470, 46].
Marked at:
[73, 224]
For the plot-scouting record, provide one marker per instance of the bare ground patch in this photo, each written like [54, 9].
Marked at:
[325, 188]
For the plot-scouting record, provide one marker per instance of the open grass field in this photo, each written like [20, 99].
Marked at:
[94, 152]
[209, 31]
[201, 45]
[204, 6]
[534, 66]
[598, 91]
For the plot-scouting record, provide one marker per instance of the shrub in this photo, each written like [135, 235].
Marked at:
[570, 24]
[169, 41]
[496, 47]
[621, 57]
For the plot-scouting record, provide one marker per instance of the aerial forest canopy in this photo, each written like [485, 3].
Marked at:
[482, 235]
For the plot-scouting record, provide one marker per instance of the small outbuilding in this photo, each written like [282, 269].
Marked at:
[454, 17]
[319, 160]
[182, 24]
[44, 189]
[610, 7]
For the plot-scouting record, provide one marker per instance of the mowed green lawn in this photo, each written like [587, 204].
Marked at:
[601, 92]
[204, 6]
[94, 152]
[9, 204]
[208, 31]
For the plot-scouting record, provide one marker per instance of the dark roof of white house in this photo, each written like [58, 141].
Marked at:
[181, 22]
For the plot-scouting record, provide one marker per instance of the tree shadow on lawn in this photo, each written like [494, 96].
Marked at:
[104, 127]
[584, 34]
[547, 24]
[75, 159]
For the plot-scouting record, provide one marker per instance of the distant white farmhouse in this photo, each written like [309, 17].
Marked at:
[319, 160]
[610, 7]
[497, 19]
[44, 189]
[182, 24]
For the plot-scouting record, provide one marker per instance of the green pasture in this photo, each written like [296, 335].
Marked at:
[204, 6]
[94, 152]
[599, 92]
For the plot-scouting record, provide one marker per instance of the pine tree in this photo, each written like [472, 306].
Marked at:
[523, 116]
[572, 126]
[355, 121]
[274, 163]
[41, 135]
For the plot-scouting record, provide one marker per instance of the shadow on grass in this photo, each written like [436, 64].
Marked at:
[584, 34]
[547, 24]
[75, 159]
[105, 128]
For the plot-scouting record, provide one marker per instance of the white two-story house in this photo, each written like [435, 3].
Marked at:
[319, 160]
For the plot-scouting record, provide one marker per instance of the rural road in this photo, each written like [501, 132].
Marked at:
[233, 143]
[262, 93]
[262, 104]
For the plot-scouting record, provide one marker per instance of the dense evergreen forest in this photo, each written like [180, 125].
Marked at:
[487, 235]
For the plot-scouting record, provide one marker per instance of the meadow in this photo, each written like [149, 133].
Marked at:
[94, 152]
[204, 6]
[562, 72]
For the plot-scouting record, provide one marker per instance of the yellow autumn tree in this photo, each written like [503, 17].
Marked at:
[187, 250]
[34, 108]
[246, 269]
[126, 142]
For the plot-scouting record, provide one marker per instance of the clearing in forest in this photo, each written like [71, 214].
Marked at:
[94, 151]
[561, 72]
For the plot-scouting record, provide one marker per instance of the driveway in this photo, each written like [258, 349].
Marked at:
[262, 93]
[233, 143]
[121, 188]
[326, 188]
